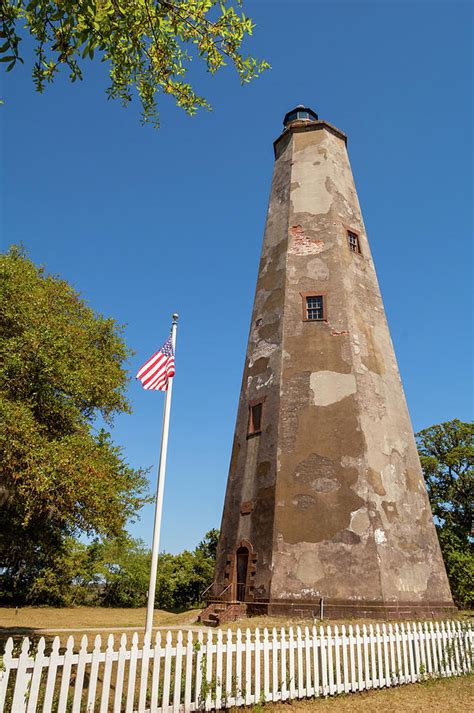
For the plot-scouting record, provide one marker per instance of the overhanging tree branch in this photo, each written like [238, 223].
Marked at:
[144, 43]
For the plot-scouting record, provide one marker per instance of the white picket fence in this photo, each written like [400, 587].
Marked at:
[217, 669]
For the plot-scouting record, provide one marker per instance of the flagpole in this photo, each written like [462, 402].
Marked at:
[159, 494]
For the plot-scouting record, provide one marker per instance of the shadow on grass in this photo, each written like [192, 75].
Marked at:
[18, 633]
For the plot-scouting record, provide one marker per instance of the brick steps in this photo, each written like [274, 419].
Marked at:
[218, 613]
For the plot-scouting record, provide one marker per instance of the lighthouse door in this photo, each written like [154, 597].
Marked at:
[242, 566]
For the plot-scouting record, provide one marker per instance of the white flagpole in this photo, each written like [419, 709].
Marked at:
[159, 495]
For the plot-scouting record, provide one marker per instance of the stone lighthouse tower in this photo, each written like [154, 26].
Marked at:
[325, 497]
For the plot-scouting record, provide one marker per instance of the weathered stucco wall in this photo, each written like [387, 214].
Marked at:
[330, 495]
[250, 498]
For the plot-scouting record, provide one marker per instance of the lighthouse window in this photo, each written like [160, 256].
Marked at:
[314, 308]
[255, 419]
[353, 240]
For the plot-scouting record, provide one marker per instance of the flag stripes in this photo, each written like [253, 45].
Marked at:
[156, 372]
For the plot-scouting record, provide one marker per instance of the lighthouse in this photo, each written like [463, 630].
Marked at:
[325, 498]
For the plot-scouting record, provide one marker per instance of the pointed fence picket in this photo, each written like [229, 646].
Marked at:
[315, 643]
[143, 674]
[189, 672]
[276, 694]
[283, 669]
[307, 650]
[122, 655]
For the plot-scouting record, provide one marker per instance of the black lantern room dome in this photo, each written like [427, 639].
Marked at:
[300, 113]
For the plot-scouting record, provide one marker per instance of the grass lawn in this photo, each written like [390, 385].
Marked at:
[38, 621]
[449, 695]
[52, 618]
[77, 621]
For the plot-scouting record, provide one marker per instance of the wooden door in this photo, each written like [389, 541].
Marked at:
[242, 568]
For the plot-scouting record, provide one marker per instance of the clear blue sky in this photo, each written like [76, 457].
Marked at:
[145, 222]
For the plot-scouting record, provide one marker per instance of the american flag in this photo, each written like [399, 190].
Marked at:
[158, 370]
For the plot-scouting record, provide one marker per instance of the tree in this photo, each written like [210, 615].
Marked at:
[182, 578]
[208, 546]
[148, 44]
[61, 368]
[69, 575]
[115, 572]
[447, 458]
[125, 568]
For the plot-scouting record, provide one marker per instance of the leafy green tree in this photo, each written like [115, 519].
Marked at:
[208, 546]
[447, 458]
[148, 44]
[115, 572]
[68, 576]
[125, 569]
[61, 368]
[182, 578]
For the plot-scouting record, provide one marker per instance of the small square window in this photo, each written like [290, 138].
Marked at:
[314, 308]
[353, 241]
[255, 419]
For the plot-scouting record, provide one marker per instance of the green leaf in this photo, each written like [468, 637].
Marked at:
[147, 45]
[61, 367]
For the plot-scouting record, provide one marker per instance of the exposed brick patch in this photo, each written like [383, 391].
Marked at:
[247, 507]
[337, 332]
[301, 244]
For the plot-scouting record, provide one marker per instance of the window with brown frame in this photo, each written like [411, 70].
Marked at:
[314, 308]
[255, 418]
[353, 241]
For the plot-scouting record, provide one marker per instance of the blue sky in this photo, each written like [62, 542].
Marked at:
[145, 222]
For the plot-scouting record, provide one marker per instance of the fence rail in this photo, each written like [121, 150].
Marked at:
[216, 669]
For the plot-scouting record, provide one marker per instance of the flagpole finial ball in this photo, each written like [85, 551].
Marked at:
[175, 317]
